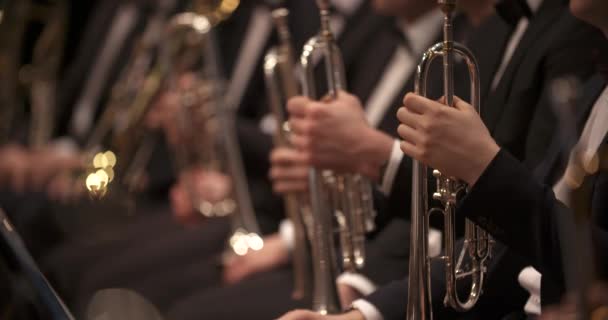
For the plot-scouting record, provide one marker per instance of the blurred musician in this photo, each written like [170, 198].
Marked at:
[192, 250]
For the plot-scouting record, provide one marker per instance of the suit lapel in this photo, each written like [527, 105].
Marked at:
[488, 46]
[371, 64]
[359, 28]
[544, 18]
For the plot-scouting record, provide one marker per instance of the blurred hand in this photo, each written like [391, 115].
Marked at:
[166, 111]
[194, 187]
[48, 163]
[452, 140]
[310, 315]
[289, 170]
[274, 254]
[335, 135]
[65, 188]
[347, 295]
[14, 167]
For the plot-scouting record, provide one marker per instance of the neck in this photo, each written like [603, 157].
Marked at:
[412, 15]
[476, 13]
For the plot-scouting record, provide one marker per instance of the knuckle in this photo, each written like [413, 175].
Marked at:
[317, 111]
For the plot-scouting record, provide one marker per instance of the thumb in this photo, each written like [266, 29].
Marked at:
[462, 105]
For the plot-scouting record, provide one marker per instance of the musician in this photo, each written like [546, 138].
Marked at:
[540, 211]
[513, 131]
[194, 255]
[388, 50]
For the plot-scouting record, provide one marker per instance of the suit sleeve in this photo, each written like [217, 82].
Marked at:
[515, 208]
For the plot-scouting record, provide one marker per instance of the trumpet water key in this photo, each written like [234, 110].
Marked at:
[477, 243]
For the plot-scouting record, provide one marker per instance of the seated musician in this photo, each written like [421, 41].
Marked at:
[385, 301]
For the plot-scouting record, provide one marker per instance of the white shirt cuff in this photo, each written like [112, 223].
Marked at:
[391, 169]
[530, 279]
[287, 233]
[435, 237]
[358, 282]
[369, 311]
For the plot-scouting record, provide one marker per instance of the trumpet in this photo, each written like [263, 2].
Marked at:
[121, 122]
[477, 243]
[209, 122]
[38, 77]
[349, 196]
[281, 84]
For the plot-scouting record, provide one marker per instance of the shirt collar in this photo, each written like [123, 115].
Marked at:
[423, 31]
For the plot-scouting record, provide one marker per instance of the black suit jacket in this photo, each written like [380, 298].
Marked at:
[530, 221]
[518, 116]
[517, 112]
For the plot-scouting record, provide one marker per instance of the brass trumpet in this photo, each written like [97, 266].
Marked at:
[209, 122]
[349, 196]
[478, 244]
[281, 84]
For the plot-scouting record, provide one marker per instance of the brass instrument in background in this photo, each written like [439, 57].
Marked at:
[282, 84]
[32, 83]
[345, 198]
[207, 122]
[478, 244]
[127, 144]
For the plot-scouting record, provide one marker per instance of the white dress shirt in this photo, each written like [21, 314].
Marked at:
[518, 33]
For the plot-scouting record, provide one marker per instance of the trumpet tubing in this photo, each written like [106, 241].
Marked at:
[345, 199]
[281, 84]
[477, 244]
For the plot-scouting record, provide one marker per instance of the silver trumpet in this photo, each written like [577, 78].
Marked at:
[478, 244]
[281, 84]
[347, 197]
[209, 121]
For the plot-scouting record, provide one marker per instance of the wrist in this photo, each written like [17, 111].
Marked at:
[374, 153]
[487, 154]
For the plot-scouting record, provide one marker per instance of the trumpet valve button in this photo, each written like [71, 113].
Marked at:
[436, 174]
[437, 196]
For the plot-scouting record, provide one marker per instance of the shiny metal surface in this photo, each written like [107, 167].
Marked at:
[282, 84]
[477, 246]
[344, 200]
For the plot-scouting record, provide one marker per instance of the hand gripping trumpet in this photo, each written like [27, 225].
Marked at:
[281, 84]
[477, 245]
[347, 197]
